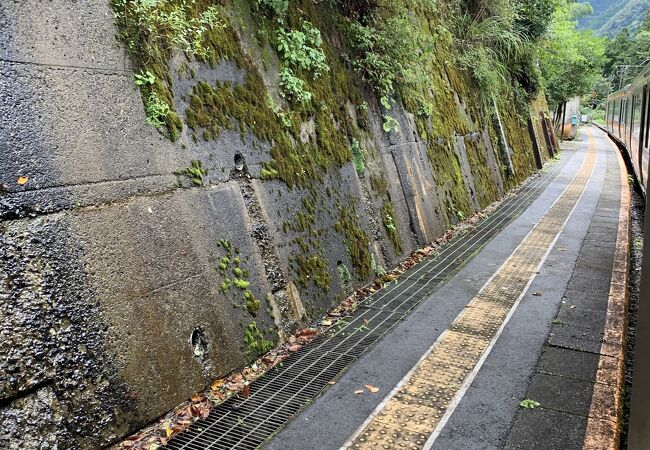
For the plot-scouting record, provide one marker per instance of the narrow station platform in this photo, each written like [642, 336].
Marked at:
[511, 338]
[536, 316]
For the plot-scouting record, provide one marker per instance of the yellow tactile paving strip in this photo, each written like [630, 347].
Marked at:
[412, 412]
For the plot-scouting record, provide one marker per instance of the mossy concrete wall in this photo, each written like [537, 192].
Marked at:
[110, 261]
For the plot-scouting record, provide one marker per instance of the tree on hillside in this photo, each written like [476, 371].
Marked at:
[617, 53]
[571, 60]
[626, 54]
[533, 17]
[641, 47]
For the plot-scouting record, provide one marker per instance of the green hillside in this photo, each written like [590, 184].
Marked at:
[610, 16]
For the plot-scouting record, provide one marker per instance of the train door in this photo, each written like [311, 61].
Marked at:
[645, 136]
[621, 121]
[631, 123]
[643, 128]
[616, 120]
[608, 123]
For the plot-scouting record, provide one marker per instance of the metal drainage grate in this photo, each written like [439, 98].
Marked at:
[279, 395]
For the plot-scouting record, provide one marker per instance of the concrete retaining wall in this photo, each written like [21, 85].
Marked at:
[109, 261]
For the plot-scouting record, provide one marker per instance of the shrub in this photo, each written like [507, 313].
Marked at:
[275, 7]
[301, 49]
[488, 50]
[388, 52]
[293, 88]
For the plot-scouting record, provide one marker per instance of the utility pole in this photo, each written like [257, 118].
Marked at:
[624, 69]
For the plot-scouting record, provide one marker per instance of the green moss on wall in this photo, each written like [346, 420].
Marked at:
[312, 268]
[256, 343]
[357, 242]
[234, 276]
[519, 141]
[486, 189]
[301, 157]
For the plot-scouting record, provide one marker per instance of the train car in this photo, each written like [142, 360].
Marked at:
[628, 121]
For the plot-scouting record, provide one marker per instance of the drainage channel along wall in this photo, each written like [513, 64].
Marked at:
[138, 264]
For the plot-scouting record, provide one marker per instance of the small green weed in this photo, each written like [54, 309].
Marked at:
[195, 172]
[145, 78]
[390, 124]
[157, 110]
[377, 269]
[389, 224]
[529, 404]
[344, 273]
[357, 154]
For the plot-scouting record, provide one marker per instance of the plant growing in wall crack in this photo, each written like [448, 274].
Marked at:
[195, 173]
[157, 111]
[358, 156]
[389, 224]
[390, 124]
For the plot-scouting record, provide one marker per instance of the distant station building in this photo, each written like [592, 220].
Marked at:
[570, 119]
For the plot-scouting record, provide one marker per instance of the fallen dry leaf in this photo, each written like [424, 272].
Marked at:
[22, 180]
[358, 391]
[308, 332]
[372, 389]
[217, 384]
[246, 391]
[326, 322]
[236, 378]
[294, 348]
